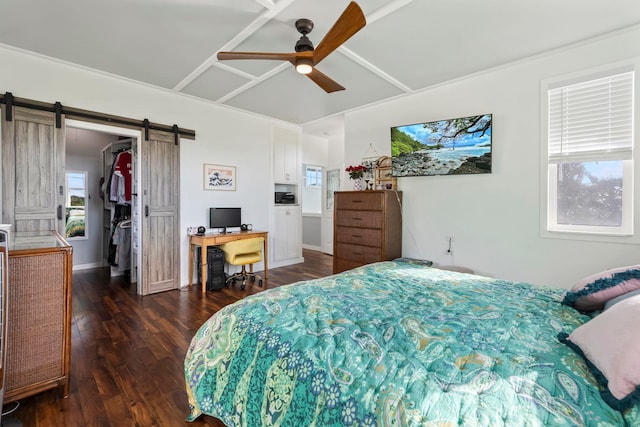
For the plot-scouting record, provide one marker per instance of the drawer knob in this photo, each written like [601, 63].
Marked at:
[356, 235]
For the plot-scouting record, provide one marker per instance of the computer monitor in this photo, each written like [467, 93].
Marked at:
[223, 218]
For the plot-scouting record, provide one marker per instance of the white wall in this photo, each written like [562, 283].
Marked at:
[88, 250]
[495, 218]
[223, 136]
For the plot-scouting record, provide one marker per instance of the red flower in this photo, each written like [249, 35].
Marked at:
[356, 172]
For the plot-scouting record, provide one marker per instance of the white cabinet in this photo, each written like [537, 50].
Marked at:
[286, 244]
[286, 145]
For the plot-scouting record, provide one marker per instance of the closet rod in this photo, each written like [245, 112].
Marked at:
[76, 113]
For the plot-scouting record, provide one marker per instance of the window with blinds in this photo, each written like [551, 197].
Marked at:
[590, 139]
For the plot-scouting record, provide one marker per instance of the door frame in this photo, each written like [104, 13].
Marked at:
[136, 135]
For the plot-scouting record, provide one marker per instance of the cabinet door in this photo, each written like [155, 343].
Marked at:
[33, 184]
[287, 242]
[285, 156]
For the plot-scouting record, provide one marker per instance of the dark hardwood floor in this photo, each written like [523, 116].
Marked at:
[128, 351]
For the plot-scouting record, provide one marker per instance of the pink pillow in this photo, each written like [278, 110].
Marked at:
[611, 344]
[592, 292]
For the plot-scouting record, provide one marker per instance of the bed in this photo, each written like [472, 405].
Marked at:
[396, 344]
[75, 222]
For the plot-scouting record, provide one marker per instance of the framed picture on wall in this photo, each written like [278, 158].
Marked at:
[445, 147]
[219, 177]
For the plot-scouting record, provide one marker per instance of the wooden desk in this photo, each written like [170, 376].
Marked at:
[217, 239]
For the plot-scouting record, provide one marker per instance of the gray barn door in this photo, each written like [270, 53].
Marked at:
[33, 187]
[160, 201]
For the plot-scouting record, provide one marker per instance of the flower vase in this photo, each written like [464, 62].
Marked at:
[357, 184]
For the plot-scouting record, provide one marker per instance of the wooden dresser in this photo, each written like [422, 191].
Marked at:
[367, 228]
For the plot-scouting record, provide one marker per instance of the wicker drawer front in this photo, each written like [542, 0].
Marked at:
[359, 236]
[364, 219]
[364, 254]
[37, 320]
[360, 200]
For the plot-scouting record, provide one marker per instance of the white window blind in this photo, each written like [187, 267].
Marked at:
[592, 120]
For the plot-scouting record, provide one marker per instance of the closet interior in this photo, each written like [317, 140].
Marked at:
[120, 226]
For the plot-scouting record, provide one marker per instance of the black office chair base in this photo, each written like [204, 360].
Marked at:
[244, 275]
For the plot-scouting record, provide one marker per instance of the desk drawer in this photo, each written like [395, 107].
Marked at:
[364, 254]
[359, 236]
[360, 200]
[362, 219]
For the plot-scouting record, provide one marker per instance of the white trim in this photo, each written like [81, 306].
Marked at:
[312, 247]
[89, 266]
[249, 30]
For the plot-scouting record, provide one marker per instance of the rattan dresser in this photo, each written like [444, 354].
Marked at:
[39, 316]
[367, 227]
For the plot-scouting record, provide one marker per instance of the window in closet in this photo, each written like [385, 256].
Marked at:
[76, 206]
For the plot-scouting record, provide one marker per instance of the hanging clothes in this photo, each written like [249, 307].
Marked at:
[117, 243]
[122, 240]
[120, 180]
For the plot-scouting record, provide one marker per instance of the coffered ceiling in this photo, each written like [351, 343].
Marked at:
[407, 45]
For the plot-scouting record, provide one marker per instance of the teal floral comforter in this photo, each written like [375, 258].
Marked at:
[395, 344]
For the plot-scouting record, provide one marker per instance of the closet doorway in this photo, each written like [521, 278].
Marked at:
[155, 205]
[111, 236]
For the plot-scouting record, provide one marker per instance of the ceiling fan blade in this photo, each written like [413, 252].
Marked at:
[324, 81]
[257, 55]
[350, 22]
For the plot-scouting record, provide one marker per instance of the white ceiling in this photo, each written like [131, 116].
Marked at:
[407, 45]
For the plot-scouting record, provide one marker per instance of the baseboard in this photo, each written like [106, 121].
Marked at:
[89, 266]
[312, 247]
[283, 263]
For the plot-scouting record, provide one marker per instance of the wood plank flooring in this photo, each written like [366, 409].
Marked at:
[128, 351]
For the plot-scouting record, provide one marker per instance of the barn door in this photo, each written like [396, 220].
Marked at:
[33, 189]
[160, 202]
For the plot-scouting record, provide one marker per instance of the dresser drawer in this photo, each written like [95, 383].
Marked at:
[340, 265]
[359, 236]
[364, 219]
[360, 200]
[364, 254]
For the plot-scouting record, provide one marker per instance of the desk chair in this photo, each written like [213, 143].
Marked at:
[243, 252]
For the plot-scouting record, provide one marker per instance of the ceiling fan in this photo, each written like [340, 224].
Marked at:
[305, 57]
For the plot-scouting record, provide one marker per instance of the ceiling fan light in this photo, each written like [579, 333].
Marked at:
[304, 65]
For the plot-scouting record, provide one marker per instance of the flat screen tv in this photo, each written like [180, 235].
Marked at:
[444, 147]
[223, 218]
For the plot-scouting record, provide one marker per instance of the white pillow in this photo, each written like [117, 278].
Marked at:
[622, 297]
[611, 344]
